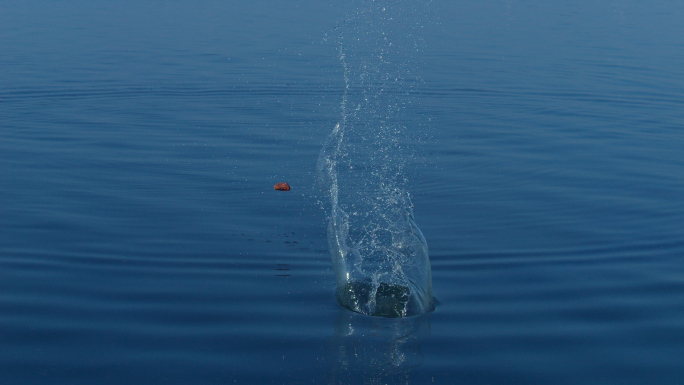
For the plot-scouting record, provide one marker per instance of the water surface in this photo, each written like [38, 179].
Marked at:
[141, 240]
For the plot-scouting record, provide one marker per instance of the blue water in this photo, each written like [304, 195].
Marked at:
[141, 240]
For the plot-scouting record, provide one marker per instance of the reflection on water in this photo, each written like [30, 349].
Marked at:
[375, 350]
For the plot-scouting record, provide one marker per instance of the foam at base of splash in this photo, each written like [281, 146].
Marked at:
[384, 300]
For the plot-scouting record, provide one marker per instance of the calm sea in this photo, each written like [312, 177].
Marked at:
[141, 240]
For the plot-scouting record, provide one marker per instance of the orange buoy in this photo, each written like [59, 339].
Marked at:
[282, 187]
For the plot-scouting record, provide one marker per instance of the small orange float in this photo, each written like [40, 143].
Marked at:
[282, 187]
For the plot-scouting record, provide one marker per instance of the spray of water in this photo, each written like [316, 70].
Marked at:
[379, 254]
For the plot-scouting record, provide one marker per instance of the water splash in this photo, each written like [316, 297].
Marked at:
[379, 254]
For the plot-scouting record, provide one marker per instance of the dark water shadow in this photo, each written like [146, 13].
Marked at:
[375, 350]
